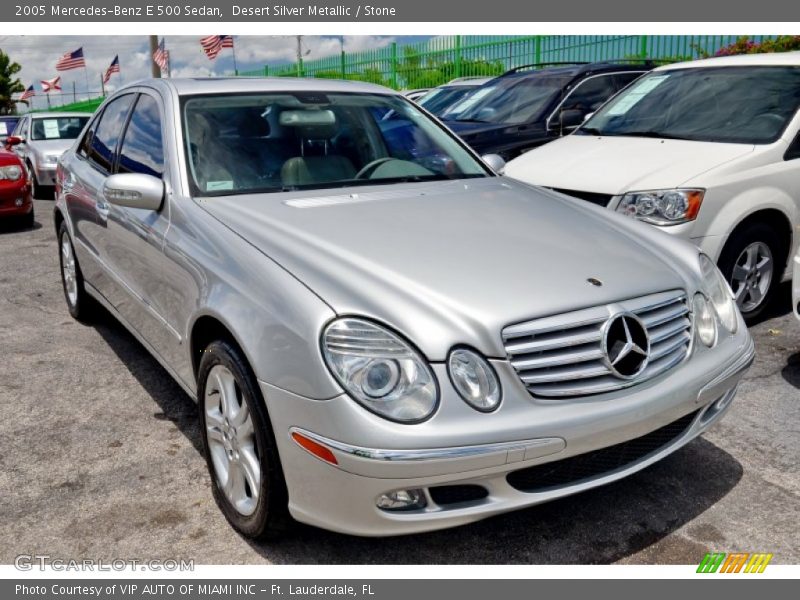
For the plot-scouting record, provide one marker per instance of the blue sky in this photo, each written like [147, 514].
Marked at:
[38, 55]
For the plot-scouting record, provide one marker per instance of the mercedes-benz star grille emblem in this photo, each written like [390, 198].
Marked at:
[626, 345]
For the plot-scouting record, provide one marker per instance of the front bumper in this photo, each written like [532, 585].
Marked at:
[463, 447]
[15, 198]
[45, 174]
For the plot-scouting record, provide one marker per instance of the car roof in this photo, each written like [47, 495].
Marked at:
[226, 85]
[740, 60]
[466, 81]
[52, 115]
[577, 69]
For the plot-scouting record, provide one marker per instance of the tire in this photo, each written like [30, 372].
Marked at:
[79, 303]
[36, 189]
[752, 262]
[257, 507]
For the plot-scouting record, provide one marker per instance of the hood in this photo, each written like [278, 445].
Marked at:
[51, 146]
[616, 164]
[455, 262]
[469, 130]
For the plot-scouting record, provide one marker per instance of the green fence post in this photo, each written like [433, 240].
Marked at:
[643, 46]
[458, 56]
[344, 65]
[266, 70]
[393, 75]
[537, 50]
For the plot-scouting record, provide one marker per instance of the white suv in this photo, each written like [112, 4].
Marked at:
[705, 150]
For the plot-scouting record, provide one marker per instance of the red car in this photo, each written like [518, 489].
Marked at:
[15, 191]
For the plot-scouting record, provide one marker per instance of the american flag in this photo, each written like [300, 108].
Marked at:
[51, 84]
[113, 68]
[161, 56]
[213, 44]
[29, 93]
[71, 60]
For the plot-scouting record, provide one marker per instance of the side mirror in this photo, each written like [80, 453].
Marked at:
[14, 140]
[134, 190]
[495, 162]
[571, 118]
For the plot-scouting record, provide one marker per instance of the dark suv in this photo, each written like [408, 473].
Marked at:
[531, 105]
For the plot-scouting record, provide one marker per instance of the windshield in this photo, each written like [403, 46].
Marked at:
[439, 100]
[306, 140]
[57, 128]
[748, 105]
[509, 100]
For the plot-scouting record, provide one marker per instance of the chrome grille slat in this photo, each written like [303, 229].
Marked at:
[561, 356]
[556, 358]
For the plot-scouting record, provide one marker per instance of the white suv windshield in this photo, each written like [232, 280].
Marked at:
[748, 105]
[287, 141]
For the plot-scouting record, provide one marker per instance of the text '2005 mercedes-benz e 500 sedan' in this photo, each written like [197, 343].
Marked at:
[384, 336]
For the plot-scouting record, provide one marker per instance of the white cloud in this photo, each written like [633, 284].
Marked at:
[38, 55]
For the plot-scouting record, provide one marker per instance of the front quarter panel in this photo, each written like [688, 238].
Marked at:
[275, 319]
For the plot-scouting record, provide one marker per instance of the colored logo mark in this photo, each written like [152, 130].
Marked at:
[737, 562]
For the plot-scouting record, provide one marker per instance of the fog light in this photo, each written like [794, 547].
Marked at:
[402, 500]
[19, 201]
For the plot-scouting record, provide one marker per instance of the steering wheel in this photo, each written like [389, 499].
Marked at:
[369, 168]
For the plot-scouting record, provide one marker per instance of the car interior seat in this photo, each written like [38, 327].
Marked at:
[316, 162]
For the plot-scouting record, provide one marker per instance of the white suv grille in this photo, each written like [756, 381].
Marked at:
[563, 356]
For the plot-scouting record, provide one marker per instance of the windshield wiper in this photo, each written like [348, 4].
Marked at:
[472, 121]
[650, 134]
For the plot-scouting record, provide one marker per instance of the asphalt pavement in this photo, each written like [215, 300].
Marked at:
[100, 457]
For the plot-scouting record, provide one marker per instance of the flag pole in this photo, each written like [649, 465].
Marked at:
[233, 50]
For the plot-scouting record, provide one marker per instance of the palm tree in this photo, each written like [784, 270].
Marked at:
[9, 85]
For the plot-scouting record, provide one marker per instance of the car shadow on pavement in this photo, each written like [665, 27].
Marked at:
[791, 372]
[8, 226]
[176, 406]
[600, 526]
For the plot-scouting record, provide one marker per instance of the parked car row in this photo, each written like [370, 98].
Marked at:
[383, 335]
[706, 151]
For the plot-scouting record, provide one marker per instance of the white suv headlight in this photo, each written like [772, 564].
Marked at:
[720, 294]
[662, 207]
[380, 370]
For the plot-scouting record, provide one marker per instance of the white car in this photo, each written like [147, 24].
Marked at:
[705, 150]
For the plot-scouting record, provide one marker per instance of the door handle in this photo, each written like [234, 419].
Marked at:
[102, 208]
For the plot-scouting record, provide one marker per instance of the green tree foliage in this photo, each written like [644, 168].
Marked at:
[745, 45]
[9, 84]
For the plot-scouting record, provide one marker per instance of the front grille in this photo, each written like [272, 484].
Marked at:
[563, 357]
[562, 473]
[456, 494]
[593, 197]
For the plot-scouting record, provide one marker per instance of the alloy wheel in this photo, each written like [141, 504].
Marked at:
[69, 271]
[231, 440]
[752, 276]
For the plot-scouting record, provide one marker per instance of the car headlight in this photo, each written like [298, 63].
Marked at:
[705, 325]
[51, 158]
[474, 379]
[720, 294]
[662, 207]
[380, 370]
[12, 172]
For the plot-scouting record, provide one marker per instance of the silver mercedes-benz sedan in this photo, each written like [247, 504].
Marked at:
[384, 336]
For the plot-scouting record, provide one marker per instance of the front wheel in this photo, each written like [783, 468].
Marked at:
[240, 449]
[752, 263]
